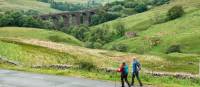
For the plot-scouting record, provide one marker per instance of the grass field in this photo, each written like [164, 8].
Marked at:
[42, 8]
[28, 45]
[34, 33]
[6, 5]
[183, 31]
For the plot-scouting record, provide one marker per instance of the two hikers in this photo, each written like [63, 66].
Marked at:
[136, 67]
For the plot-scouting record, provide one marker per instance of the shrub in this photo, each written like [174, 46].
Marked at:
[86, 64]
[130, 4]
[46, 1]
[80, 32]
[175, 12]
[104, 17]
[116, 8]
[101, 35]
[56, 38]
[97, 45]
[116, 3]
[141, 8]
[129, 11]
[174, 48]
[159, 2]
[120, 29]
[120, 47]
[21, 19]
[89, 44]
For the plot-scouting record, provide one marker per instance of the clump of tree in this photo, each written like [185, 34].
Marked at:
[158, 2]
[80, 32]
[102, 35]
[22, 19]
[46, 1]
[124, 8]
[175, 12]
[141, 8]
[103, 16]
[64, 6]
[120, 29]
[96, 37]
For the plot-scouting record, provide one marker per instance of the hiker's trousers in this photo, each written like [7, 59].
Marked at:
[136, 74]
[124, 77]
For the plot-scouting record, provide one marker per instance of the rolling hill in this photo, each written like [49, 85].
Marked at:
[43, 8]
[31, 47]
[41, 34]
[183, 31]
[28, 45]
[7, 5]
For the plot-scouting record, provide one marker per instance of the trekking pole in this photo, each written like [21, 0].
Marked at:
[115, 79]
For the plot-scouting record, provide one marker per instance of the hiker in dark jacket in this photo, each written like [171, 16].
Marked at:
[135, 72]
[124, 74]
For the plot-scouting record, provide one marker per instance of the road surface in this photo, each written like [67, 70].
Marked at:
[9, 78]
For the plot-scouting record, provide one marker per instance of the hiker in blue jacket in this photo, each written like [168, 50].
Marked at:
[124, 74]
[135, 72]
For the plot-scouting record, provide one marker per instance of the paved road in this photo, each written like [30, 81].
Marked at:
[10, 78]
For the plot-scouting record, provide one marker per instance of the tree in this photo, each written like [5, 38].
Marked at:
[21, 19]
[130, 4]
[80, 32]
[116, 8]
[159, 2]
[141, 8]
[103, 16]
[175, 12]
[120, 29]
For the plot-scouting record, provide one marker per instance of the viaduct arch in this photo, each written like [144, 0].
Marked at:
[70, 18]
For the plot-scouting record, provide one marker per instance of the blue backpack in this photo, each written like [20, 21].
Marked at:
[126, 69]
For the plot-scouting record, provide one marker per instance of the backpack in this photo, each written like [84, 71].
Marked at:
[126, 69]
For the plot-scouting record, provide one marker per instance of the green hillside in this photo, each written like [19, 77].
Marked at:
[41, 34]
[28, 45]
[6, 5]
[183, 31]
[31, 47]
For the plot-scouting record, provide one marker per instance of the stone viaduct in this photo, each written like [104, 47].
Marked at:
[70, 18]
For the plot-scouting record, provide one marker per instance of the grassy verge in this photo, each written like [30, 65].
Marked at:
[147, 79]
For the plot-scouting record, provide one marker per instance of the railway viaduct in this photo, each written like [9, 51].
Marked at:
[70, 18]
